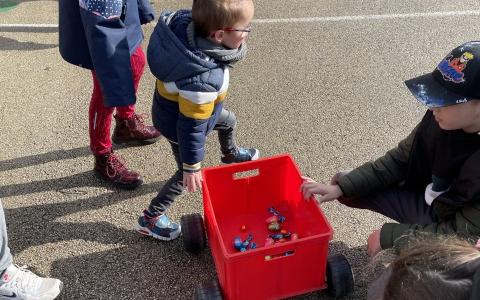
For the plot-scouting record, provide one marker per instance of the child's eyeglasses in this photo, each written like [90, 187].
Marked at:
[248, 29]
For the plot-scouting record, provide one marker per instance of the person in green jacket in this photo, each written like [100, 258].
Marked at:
[431, 181]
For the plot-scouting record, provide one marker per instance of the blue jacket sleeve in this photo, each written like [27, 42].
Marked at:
[145, 11]
[109, 49]
[191, 140]
[196, 105]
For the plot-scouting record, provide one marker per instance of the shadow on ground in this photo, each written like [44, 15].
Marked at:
[7, 44]
[37, 159]
[35, 225]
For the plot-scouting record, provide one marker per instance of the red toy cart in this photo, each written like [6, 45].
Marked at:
[236, 202]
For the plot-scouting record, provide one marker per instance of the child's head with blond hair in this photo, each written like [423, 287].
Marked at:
[225, 22]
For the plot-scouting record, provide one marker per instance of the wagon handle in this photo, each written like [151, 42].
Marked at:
[246, 174]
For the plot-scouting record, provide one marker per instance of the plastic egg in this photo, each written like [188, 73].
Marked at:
[274, 226]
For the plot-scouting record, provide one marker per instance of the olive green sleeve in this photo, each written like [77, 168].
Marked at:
[387, 170]
[465, 223]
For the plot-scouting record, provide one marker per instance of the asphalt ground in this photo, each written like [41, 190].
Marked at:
[323, 81]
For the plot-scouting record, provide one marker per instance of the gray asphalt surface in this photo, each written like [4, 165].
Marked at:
[329, 92]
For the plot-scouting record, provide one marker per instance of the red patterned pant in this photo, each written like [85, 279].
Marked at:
[100, 116]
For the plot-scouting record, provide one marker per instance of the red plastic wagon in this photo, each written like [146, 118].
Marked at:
[236, 199]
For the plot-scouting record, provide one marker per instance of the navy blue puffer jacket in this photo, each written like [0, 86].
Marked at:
[189, 90]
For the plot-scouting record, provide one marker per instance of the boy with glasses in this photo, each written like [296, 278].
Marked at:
[190, 53]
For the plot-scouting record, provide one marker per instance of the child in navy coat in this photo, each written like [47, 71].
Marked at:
[105, 37]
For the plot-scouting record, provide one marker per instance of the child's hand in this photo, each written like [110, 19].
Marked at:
[326, 192]
[192, 180]
[373, 243]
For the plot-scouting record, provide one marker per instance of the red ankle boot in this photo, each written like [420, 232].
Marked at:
[112, 168]
[133, 131]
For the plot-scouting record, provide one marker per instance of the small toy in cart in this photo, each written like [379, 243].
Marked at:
[244, 245]
[238, 244]
[274, 226]
[279, 236]
[277, 271]
[275, 222]
[275, 212]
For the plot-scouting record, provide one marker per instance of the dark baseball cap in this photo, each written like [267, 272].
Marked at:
[455, 80]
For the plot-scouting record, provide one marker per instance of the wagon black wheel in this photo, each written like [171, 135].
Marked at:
[208, 291]
[193, 232]
[340, 279]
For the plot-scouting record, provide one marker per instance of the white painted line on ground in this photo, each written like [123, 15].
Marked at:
[313, 19]
[372, 17]
[28, 25]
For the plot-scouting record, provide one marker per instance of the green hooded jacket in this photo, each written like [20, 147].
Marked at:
[428, 150]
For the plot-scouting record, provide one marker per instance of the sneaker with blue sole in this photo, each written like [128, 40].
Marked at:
[241, 155]
[159, 227]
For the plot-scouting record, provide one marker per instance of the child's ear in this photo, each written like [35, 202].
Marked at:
[217, 36]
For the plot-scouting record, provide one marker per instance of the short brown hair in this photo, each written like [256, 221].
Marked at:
[211, 15]
[434, 268]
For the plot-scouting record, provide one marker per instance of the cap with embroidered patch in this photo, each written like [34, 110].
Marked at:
[455, 80]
